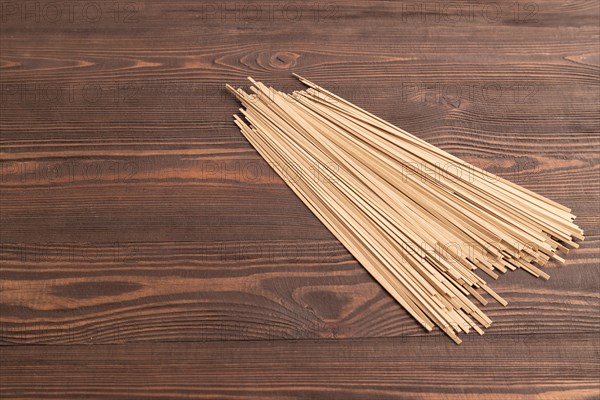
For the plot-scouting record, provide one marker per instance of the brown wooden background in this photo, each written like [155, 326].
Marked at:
[147, 251]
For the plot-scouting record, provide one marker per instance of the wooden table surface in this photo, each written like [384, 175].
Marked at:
[147, 251]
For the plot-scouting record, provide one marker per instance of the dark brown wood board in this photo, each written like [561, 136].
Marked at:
[148, 251]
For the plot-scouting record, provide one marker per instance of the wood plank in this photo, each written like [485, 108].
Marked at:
[530, 367]
[120, 292]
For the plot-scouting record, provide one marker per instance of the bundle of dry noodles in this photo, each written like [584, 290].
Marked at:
[417, 218]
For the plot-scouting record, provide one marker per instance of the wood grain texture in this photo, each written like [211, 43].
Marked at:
[557, 367]
[135, 217]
